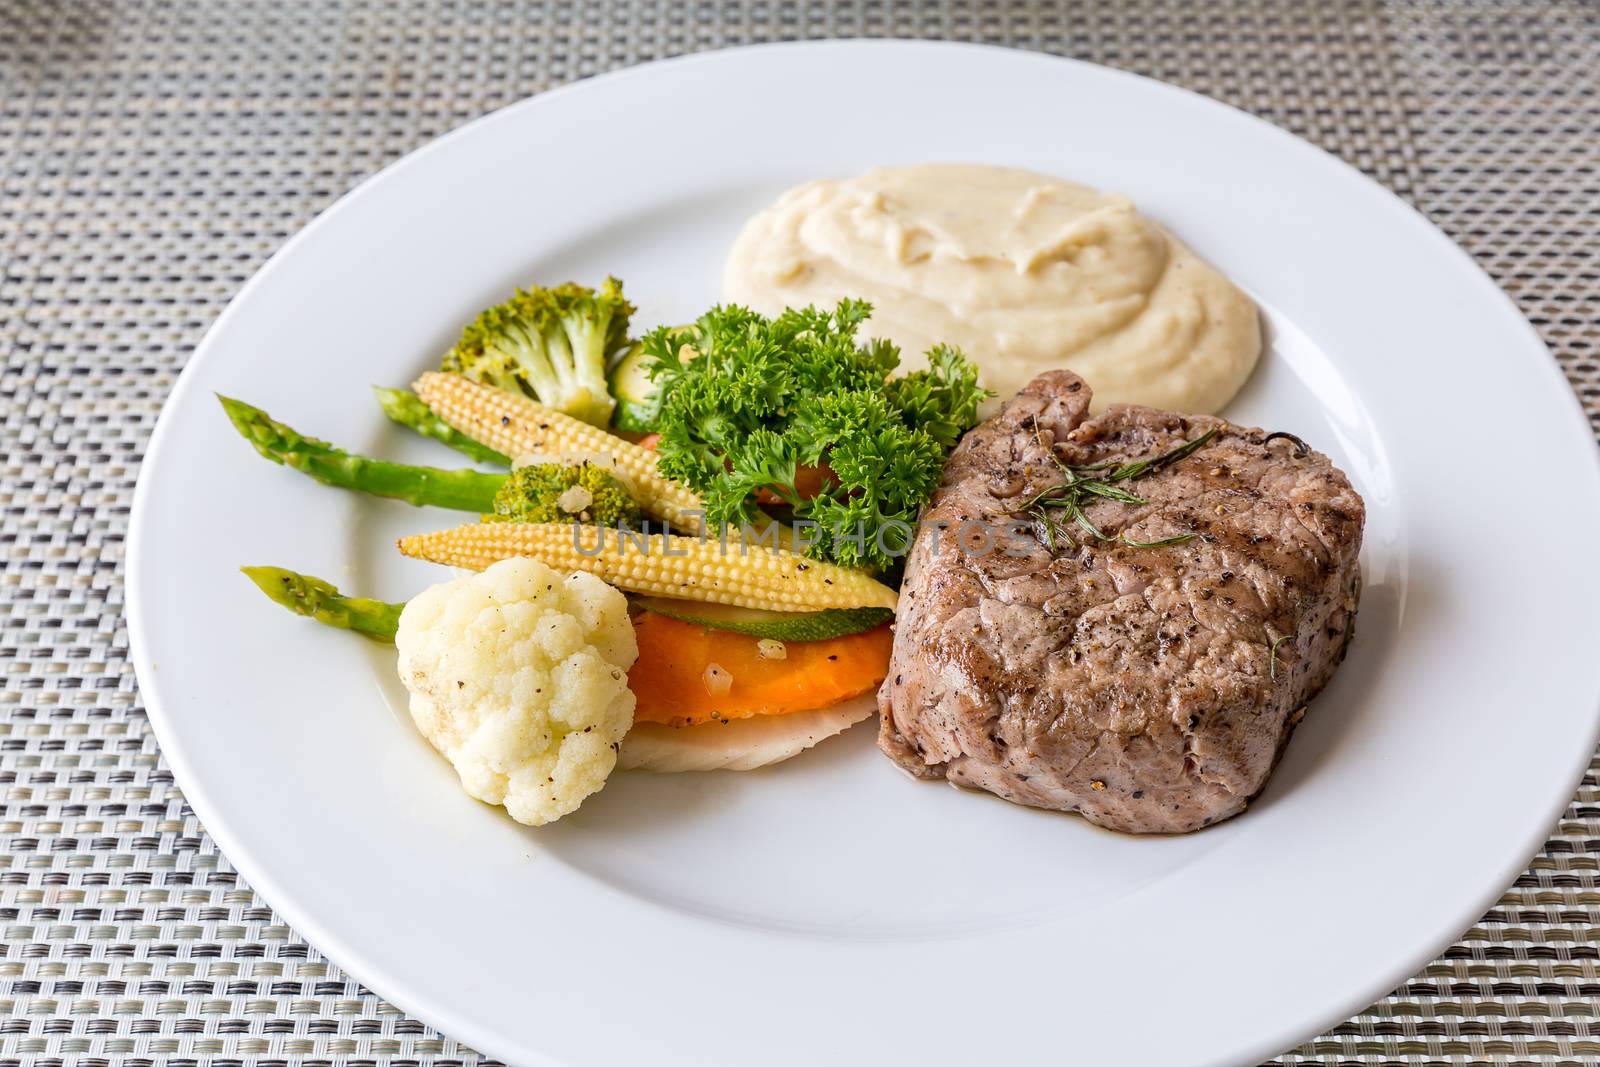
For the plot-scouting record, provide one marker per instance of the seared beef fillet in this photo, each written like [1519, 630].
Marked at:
[1137, 686]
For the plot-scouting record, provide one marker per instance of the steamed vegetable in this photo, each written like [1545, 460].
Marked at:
[543, 492]
[688, 674]
[518, 426]
[761, 399]
[630, 386]
[462, 490]
[518, 677]
[305, 595]
[407, 409]
[548, 344]
[738, 744]
[776, 625]
[691, 568]
[638, 403]
[563, 492]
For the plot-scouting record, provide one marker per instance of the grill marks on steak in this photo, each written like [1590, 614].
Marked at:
[1134, 685]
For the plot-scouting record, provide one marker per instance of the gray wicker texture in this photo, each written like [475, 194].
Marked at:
[153, 154]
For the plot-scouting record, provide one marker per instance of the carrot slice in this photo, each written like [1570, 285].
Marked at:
[670, 676]
[808, 480]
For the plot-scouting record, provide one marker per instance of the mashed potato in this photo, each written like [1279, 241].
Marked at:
[1023, 271]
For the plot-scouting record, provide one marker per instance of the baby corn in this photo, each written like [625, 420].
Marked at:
[520, 427]
[689, 568]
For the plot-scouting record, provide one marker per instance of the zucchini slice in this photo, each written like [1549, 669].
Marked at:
[777, 625]
[634, 392]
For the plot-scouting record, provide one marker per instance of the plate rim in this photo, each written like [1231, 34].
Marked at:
[485, 1038]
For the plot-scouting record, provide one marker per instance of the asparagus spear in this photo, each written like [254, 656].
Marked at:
[305, 595]
[463, 490]
[406, 408]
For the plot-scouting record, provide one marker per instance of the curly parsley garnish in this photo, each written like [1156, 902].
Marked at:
[748, 402]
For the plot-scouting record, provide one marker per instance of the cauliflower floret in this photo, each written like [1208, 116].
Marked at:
[518, 676]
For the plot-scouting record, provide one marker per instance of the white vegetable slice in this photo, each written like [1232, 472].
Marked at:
[741, 744]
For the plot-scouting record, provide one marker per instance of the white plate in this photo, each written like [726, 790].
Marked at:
[831, 908]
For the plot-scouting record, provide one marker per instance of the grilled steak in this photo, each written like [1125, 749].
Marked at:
[1150, 688]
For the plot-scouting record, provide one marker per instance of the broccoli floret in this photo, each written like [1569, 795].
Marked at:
[559, 492]
[549, 344]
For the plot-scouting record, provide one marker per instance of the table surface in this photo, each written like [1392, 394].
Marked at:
[153, 154]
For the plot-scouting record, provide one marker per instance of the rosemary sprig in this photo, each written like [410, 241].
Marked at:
[1139, 468]
[1081, 483]
[1301, 449]
[1163, 543]
[1272, 660]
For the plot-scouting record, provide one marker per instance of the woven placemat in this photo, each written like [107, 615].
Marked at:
[153, 154]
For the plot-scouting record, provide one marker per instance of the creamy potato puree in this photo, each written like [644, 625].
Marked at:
[1024, 272]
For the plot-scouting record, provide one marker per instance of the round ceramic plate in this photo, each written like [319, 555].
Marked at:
[831, 908]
